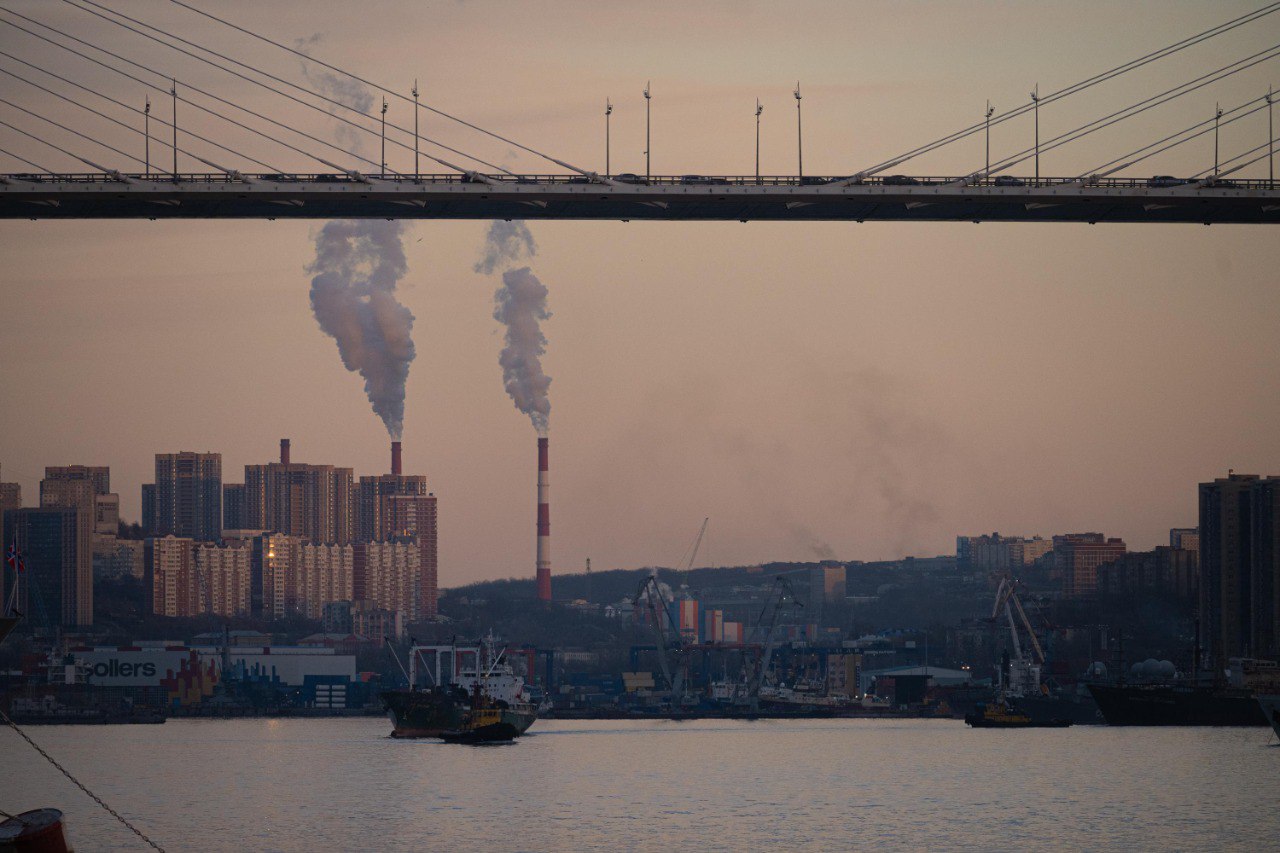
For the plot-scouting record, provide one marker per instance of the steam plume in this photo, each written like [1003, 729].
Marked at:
[358, 264]
[353, 294]
[506, 244]
[520, 304]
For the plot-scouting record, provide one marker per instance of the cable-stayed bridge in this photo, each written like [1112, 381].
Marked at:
[203, 169]
[209, 196]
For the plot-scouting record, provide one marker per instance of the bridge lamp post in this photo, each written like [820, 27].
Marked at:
[1271, 139]
[647, 99]
[384, 136]
[799, 135]
[1217, 116]
[759, 109]
[1035, 97]
[146, 131]
[174, 91]
[608, 111]
[987, 173]
[416, 171]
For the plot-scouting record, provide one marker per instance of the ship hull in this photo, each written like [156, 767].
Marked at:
[1173, 705]
[1081, 711]
[432, 713]
[978, 722]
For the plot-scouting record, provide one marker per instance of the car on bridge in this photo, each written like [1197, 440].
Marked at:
[630, 178]
[701, 180]
[900, 181]
[1167, 181]
[1009, 181]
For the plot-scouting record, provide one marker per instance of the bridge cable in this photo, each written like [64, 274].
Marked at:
[73, 156]
[378, 87]
[180, 98]
[69, 130]
[125, 125]
[1137, 108]
[187, 100]
[1077, 87]
[1221, 171]
[28, 162]
[283, 81]
[1097, 171]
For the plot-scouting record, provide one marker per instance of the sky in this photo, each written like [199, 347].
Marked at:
[818, 390]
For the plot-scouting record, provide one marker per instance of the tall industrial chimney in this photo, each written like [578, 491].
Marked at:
[395, 458]
[544, 524]
[284, 451]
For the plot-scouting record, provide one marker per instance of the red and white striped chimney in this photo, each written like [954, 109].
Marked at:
[395, 458]
[544, 524]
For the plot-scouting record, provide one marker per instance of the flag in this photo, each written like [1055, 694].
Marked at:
[14, 557]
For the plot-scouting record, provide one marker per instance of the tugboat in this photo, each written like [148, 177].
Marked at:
[484, 723]
[462, 679]
[1001, 716]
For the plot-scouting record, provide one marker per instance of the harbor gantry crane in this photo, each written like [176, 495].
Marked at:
[781, 596]
[1023, 675]
[673, 655]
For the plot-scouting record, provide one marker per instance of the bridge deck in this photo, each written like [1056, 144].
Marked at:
[216, 196]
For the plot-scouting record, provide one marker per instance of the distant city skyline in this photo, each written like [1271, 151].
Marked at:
[856, 391]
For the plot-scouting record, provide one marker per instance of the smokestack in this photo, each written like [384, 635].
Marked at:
[284, 451]
[395, 458]
[544, 524]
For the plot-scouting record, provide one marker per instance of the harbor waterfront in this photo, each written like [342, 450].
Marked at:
[335, 784]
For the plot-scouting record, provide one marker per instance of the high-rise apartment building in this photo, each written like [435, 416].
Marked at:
[98, 475]
[396, 506]
[10, 496]
[188, 495]
[1240, 565]
[57, 587]
[170, 576]
[314, 502]
[76, 487]
[149, 508]
[1077, 557]
[323, 575]
[389, 575]
[1185, 538]
[1163, 571]
[233, 509]
[273, 558]
[224, 574]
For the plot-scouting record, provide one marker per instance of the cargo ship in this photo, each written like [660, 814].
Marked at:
[1177, 705]
[1227, 700]
[461, 679]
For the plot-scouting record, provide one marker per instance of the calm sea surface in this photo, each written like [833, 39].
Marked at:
[713, 785]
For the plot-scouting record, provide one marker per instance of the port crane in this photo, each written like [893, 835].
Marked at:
[650, 595]
[1023, 672]
[782, 595]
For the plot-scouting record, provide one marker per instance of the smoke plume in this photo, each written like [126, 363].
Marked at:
[357, 266]
[506, 244]
[520, 304]
[353, 294]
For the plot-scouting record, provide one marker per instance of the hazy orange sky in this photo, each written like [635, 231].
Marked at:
[858, 391]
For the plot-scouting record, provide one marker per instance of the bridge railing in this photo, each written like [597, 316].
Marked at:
[687, 181]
